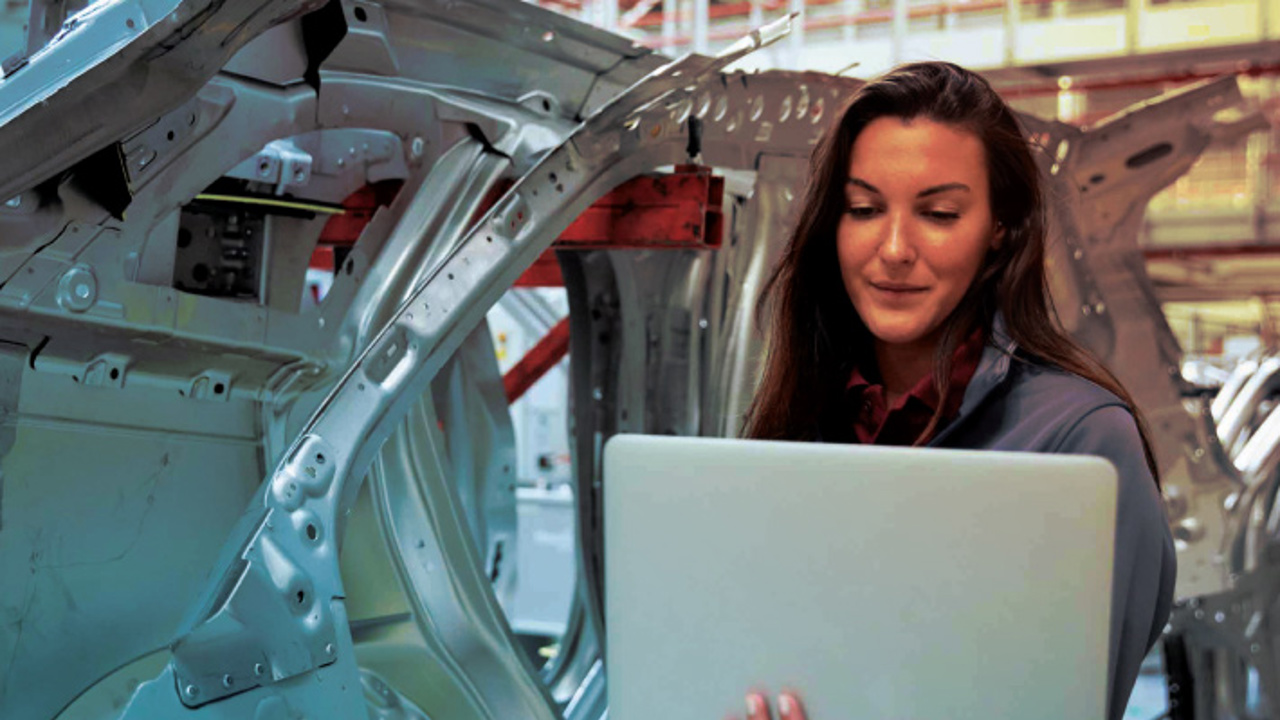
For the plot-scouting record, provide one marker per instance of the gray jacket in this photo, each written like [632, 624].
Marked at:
[1015, 404]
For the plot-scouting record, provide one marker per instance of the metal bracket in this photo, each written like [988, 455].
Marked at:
[271, 619]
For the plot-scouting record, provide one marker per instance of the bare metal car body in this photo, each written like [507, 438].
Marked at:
[218, 501]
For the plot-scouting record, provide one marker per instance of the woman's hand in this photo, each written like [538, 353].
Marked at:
[789, 707]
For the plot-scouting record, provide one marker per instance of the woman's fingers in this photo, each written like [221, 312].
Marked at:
[757, 707]
[789, 707]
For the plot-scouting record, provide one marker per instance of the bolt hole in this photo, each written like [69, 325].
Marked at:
[546, 105]
[129, 23]
[217, 389]
[1148, 156]
[169, 135]
[553, 177]
[351, 266]
[450, 276]
[360, 14]
[488, 238]
[320, 458]
[115, 373]
[312, 533]
[302, 597]
[75, 378]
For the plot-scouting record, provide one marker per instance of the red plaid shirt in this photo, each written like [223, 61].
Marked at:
[877, 423]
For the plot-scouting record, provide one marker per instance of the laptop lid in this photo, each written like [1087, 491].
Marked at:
[880, 583]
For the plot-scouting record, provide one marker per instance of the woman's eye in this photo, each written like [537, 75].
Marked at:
[863, 211]
[942, 215]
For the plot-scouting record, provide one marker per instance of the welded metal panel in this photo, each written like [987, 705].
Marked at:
[114, 502]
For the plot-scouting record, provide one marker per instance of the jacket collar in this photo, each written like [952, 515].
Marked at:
[993, 370]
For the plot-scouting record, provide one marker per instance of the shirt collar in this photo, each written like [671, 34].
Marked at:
[993, 369]
[966, 356]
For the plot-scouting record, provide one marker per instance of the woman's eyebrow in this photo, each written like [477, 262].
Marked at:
[945, 187]
[859, 182]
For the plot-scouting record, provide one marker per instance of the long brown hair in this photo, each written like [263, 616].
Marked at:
[817, 337]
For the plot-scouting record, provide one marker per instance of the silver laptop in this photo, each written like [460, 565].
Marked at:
[879, 583]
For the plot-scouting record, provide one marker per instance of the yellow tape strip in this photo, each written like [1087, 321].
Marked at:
[308, 207]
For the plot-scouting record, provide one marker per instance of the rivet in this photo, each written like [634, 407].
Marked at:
[78, 289]
[228, 681]
[258, 669]
[328, 649]
[1255, 648]
[418, 147]
[192, 691]
[1219, 617]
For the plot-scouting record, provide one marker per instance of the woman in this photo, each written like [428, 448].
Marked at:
[911, 307]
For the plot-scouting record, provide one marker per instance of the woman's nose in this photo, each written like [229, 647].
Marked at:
[895, 245]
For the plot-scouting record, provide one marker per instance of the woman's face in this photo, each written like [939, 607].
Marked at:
[917, 226]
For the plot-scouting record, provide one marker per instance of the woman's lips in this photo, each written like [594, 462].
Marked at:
[897, 289]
